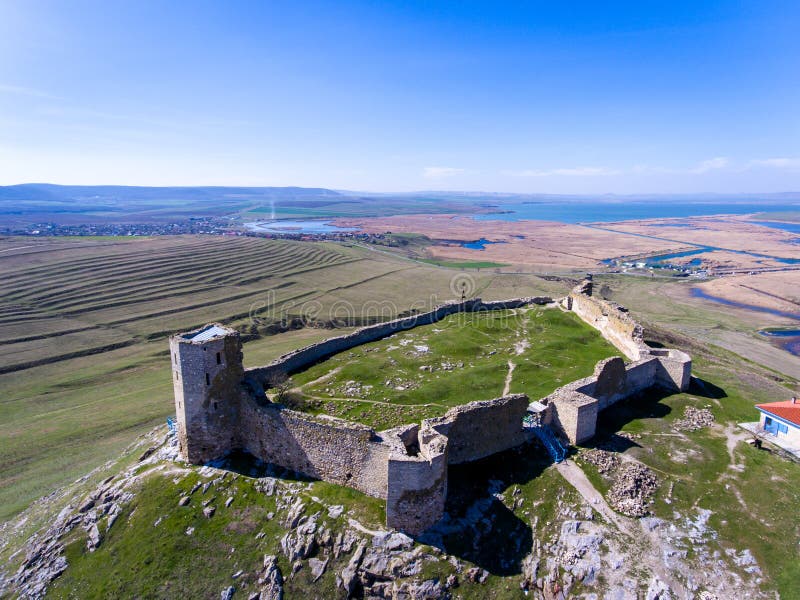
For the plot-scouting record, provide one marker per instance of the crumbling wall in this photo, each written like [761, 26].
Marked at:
[613, 380]
[674, 369]
[406, 465]
[304, 357]
[612, 321]
[640, 376]
[480, 429]
[417, 485]
[322, 447]
[574, 407]
[572, 414]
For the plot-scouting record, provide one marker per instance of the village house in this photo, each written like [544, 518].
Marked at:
[782, 420]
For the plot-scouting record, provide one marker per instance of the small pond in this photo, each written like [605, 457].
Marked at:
[478, 244]
[789, 339]
[289, 226]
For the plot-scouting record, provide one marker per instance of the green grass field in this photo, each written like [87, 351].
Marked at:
[465, 357]
[470, 264]
[84, 326]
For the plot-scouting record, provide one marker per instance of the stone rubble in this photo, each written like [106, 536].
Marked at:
[633, 489]
[604, 460]
[694, 419]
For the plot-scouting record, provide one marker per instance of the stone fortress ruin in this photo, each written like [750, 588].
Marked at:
[222, 407]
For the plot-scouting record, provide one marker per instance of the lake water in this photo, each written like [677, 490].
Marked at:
[789, 339]
[478, 244]
[604, 212]
[297, 226]
[790, 227]
[663, 258]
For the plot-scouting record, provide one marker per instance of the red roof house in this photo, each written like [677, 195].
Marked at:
[781, 419]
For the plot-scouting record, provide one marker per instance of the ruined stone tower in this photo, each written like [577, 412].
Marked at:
[206, 374]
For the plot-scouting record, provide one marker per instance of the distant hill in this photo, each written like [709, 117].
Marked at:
[121, 193]
[24, 205]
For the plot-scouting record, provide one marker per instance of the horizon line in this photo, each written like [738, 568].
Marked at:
[411, 192]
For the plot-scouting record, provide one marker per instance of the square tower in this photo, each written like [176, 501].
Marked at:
[206, 376]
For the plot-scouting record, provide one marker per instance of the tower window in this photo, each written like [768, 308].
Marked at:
[176, 376]
[219, 359]
[208, 379]
[215, 406]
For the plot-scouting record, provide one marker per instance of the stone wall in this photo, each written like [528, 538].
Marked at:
[417, 488]
[571, 414]
[480, 429]
[304, 357]
[612, 321]
[325, 448]
[574, 407]
[675, 369]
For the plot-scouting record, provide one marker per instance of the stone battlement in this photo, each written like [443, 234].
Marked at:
[222, 407]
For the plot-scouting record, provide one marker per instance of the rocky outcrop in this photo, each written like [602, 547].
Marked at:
[270, 580]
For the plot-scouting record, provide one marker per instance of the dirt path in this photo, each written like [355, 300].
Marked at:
[356, 525]
[335, 399]
[734, 435]
[318, 379]
[650, 551]
[507, 385]
[575, 476]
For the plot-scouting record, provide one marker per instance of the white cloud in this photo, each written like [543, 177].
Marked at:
[706, 166]
[565, 172]
[24, 91]
[712, 164]
[440, 172]
[777, 163]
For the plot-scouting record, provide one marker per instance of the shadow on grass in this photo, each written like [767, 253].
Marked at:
[248, 465]
[706, 389]
[477, 526]
[646, 405]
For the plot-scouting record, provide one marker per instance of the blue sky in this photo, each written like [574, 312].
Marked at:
[556, 97]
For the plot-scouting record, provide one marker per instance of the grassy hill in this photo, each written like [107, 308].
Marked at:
[721, 521]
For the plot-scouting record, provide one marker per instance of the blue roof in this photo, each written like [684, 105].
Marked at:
[209, 333]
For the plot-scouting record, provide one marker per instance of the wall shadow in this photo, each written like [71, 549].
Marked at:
[646, 405]
[477, 526]
[244, 463]
[706, 389]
